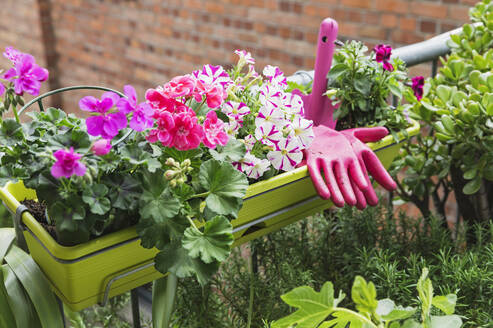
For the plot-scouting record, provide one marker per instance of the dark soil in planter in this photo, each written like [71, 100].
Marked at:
[38, 211]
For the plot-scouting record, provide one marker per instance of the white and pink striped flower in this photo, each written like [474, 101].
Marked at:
[287, 155]
[245, 57]
[269, 94]
[292, 104]
[275, 76]
[268, 134]
[249, 141]
[259, 167]
[211, 74]
[232, 127]
[245, 163]
[235, 110]
[302, 129]
[272, 114]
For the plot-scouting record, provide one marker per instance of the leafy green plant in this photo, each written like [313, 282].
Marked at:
[361, 87]
[321, 309]
[26, 299]
[456, 151]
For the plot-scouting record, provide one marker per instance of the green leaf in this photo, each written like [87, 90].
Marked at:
[445, 303]
[472, 186]
[448, 321]
[7, 236]
[18, 300]
[399, 313]
[10, 133]
[233, 151]
[443, 92]
[226, 185]
[488, 173]
[336, 71]
[425, 292]
[36, 286]
[313, 307]
[94, 196]
[214, 244]
[396, 90]
[471, 173]
[411, 323]
[364, 295]
[159, 207]
[347, 319]
[7, 319]
[175, 259]
[160, 234]
[163, 299]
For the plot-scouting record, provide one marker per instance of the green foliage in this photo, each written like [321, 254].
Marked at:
[362, 88]
[390, 251]
[26, 298]
[456, 151]
[317, 307]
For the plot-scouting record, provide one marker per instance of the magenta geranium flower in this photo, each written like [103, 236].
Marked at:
[67, 164]
[12, 54]
[104, 124]
[2, 89]
[141, 113]
[128, 104]
[382, 55]
[418, 84]
[26, 74]
[214, 133]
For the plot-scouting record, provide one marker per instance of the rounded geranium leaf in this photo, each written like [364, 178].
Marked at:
[226, 185]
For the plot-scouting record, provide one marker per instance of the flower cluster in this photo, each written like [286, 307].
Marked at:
[271, 126]
[177, 124]
[25, 75]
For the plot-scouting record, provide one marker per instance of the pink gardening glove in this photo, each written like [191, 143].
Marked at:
[345, 158]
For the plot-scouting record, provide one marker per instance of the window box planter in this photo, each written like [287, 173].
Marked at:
[89, 273]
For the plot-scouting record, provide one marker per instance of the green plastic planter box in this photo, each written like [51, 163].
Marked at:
[89, 273]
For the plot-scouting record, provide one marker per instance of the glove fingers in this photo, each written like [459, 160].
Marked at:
[370, 134]
[357, 175]
[342, 178]
[378, 171]
[317, 179]
[337, 197]
[370, 195]
[360, 197]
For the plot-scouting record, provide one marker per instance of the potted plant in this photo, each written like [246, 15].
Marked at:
[206, 155]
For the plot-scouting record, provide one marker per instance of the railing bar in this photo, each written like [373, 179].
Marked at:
[434, 67]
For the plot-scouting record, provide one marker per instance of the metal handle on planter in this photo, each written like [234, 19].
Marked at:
[21, 241]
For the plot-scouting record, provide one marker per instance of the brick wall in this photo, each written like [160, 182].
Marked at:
[146, 42]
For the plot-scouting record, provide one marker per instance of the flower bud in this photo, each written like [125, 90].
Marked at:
[170, 161]
[170, 174]
[189, 169]
[101, 147]
[186, 163]
[172, 183]
[331, 93]
[180, 180]
[202, 207]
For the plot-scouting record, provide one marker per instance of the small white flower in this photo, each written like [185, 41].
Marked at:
[272, 114]
[245, 57]
[302, 129]
[259, 167]
[270, 95]
[287, 155]
[245, 164]
[235, 111]
[232, 127]
[268, 134]
[292, 104]
[249, 141]
[275, 76]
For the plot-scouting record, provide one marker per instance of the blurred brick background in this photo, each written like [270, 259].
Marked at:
[146, 42]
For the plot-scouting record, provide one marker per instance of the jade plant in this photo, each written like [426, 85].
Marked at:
[455, 154]
[320, 309]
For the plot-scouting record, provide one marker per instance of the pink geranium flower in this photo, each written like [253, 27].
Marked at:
[418, 84]
[101, 147]
[103, 124]
[214, 133]
[26, 74]
[215, 94]
[67, 164]
[187, 133]
[12, 54]
[159, 101]
[165, 126]
[179, 86]
[382, 55]
[2, 89]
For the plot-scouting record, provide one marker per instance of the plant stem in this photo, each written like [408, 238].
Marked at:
[204, 194]
[192, 223]
[250, 301]
[16, 115]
